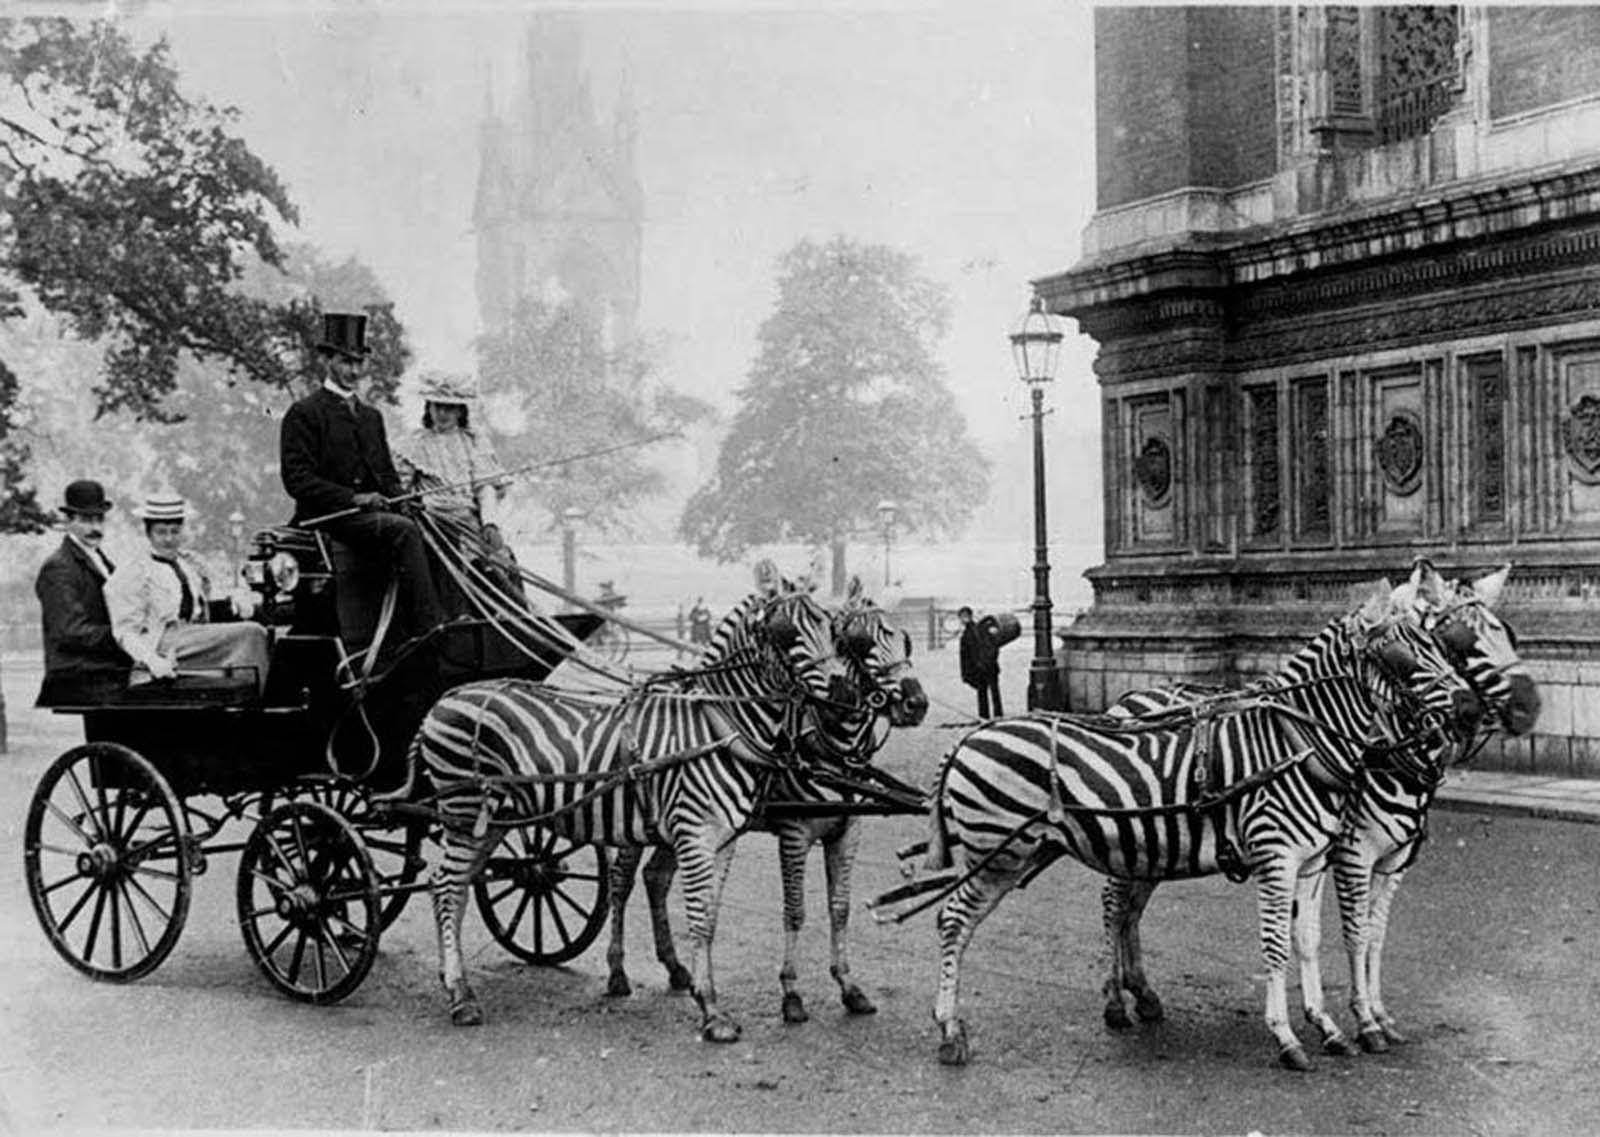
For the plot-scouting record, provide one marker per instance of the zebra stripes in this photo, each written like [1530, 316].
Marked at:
[1261, 788]
[681, 766]
[880, 655]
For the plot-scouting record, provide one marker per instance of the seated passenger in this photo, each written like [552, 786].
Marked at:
[444, 458]
[82, 662]
[160, 607]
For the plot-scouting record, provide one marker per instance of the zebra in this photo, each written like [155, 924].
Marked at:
[1259, 789]
[1385, 819]
[881, 655]
[684, 767]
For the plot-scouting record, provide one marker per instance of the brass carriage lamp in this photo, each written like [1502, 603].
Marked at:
[1036, 346]
[886, 512]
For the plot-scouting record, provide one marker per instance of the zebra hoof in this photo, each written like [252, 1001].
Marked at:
[953, 1050]
[1373, 1040]
[618, 987]
[1116, 1015]
[721, 1030]
[467, 1012]
[855, 1001]
[1293, 1057]
[1147, 1005]
[678, 978]
[1389, 1032]
[794, 1008]
[1338, 1044]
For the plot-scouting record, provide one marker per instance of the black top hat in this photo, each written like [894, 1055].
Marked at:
[344, 334]
[85, 496]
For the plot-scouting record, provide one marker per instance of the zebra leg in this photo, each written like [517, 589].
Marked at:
[704, 859]
[462, 858]
[1122, 905]
[1383, 893]
[1306, 917]
[839, 858]
[1275, 885]
[1353, 877]
[658, 873]
[794, 845]
[959, 918]
[624, 868]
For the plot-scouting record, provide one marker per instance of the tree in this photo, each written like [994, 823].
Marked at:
[129, 212]
[553, 389]
[844, 406]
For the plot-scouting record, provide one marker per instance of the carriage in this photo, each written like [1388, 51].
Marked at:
[290, 774]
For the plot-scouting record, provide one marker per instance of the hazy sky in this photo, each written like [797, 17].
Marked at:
[960, 132]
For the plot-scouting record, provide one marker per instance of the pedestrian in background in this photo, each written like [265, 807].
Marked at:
[699, 623]
[980, 664]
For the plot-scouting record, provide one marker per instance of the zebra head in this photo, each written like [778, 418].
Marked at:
[1483, 646]
[1428, 706]
[793, 636]
[880, 654]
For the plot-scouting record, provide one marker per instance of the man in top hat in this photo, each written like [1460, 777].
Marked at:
[82, 662]
[334, 461]
[160, 606]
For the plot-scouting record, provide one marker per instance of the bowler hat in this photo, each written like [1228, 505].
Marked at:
[85, 496]
[344, 333]
[165, 506]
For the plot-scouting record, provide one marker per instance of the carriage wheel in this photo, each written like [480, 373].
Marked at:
[542, 896]
[395, 848]
[107, 856]
[308, 902]
[614, 647]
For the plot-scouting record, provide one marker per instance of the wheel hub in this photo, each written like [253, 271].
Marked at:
[298, 904]
[100, 862]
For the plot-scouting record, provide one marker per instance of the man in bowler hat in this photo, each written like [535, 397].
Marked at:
[980, 664]
[82, 662]
[334, 460]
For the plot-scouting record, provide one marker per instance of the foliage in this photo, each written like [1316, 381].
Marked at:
[129, 211]
[553, 390]
[844, 407]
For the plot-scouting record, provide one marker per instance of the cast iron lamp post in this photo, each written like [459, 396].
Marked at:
[236, 544]
[886, 510]
[1036, 344]
[569, 546]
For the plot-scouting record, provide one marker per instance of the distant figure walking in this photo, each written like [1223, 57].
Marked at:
[980, 664]
[699, 622]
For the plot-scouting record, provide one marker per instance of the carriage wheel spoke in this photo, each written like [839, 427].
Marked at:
[72, 914]
[47, 889]
[87, 838]
[299, 955]
[134, 885]
[277, 941]
[94, 923]
[134, 922]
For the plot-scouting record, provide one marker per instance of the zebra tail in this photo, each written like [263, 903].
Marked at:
[938, 854]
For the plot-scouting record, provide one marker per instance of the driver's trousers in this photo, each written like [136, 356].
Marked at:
[395, 540]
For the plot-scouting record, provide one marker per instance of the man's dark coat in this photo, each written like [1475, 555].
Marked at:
[82, 662]
[330, 453]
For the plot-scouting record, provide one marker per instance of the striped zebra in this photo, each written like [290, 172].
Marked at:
[880, 653]
[1385, 820]
[1259, 789]
[684, 767]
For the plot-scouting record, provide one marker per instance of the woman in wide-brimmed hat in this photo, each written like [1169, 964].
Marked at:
[447, 451]
[160, 606]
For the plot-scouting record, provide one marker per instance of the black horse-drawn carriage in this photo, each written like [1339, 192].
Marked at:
[290, 772]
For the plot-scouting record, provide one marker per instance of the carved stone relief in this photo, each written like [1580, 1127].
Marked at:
[1581, 432]
[1399, 451]
[1152, 469]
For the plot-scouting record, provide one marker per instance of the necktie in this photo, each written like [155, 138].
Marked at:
[105, 563]
[186, 604]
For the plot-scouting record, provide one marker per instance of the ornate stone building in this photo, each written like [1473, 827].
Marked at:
[559, 213]
[1345, 280]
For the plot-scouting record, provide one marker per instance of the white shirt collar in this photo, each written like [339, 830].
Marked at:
[330, 385]
[96, 555]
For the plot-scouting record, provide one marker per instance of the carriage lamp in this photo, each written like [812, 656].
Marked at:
[284, 571]
[886, 511]
[1036, 346]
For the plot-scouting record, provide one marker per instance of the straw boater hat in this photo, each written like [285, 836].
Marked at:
[439, 387]
[163, 507]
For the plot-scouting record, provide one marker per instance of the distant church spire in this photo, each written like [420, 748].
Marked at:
[559, 205]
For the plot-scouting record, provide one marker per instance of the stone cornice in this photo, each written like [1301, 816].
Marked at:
[1459, 214]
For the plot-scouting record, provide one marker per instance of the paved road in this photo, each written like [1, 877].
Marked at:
[1490, 967]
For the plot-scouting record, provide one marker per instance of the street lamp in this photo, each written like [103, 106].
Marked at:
[570, 517]
[886, 510]
[1036, 344]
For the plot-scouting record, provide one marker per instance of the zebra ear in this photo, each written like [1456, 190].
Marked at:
[854, 592]
[1488, 588]
[1374, 602]
[768, 579]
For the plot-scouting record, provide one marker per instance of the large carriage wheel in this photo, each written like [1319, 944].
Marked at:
[395, 846]
[106, 853]
[542, 896]
[308, 902]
